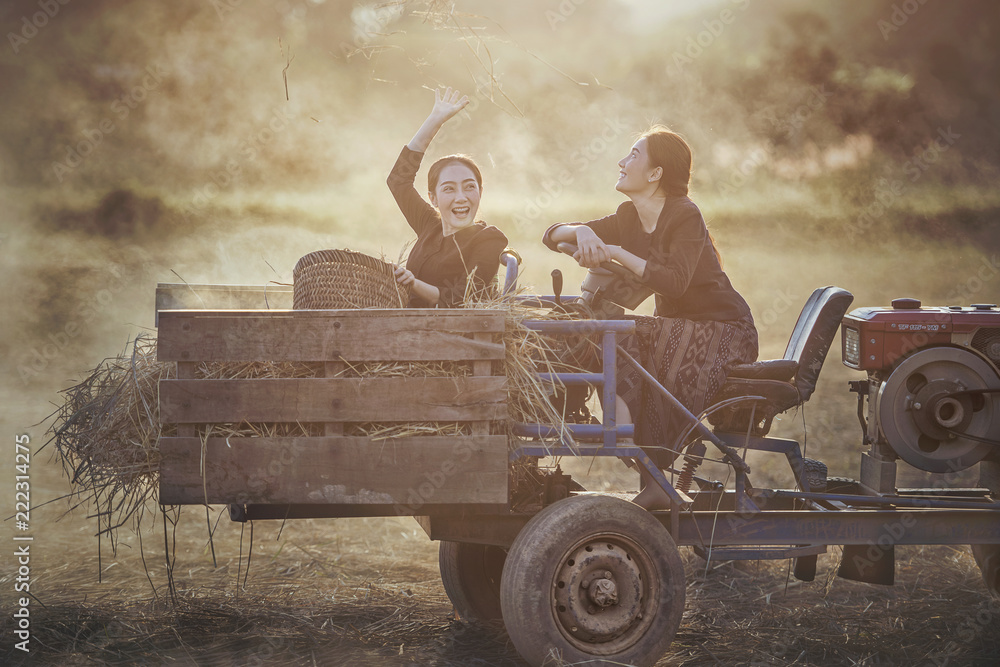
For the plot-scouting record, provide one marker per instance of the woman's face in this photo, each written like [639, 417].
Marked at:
[456, 196]
[636, 170]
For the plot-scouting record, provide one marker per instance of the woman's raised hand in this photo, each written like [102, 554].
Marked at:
[447, 103]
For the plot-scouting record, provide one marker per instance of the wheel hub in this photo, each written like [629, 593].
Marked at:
[938, 409]
[603, 592]
[598, 592]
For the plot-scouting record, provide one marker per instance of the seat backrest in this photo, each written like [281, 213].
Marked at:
[813, 334]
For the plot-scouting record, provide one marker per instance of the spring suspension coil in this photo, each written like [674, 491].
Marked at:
[693, 456]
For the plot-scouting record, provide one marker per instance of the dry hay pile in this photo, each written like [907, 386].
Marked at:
[106, 431]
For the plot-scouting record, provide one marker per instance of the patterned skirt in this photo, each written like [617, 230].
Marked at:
[691, 360]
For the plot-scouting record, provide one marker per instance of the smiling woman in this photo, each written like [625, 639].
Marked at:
[453, 252]
[701, 326]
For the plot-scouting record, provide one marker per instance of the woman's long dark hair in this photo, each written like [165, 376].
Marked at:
[668, 151]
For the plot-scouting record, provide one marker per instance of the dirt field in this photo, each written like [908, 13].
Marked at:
[367, 591]
[849, 144]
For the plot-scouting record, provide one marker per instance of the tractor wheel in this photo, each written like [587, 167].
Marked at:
[815, 474]
[593, 579]
[471, 577]
[988, 559]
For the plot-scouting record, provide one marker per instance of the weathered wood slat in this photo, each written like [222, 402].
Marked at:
[173, 296]
[332, 369]
[186, 371]
[331, 335]
[408, 473]
[333, 400]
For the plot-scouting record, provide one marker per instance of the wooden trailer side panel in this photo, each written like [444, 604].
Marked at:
[406, 474]
[404, 399]
[327, 335]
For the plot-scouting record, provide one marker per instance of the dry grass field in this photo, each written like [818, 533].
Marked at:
[145, 143]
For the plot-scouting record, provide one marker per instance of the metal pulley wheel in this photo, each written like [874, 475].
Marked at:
[933, 413]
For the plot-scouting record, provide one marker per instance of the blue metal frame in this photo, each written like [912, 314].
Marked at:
[609, 434]
[606, 439]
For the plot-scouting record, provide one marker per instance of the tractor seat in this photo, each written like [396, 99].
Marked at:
[772, 369]
[788, 382]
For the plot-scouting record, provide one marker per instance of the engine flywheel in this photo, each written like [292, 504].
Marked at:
[932, 414]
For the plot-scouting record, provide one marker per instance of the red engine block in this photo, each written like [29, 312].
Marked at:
[878, 338]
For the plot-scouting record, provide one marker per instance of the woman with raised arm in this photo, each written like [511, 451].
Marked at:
[701, 326]
[454, 255]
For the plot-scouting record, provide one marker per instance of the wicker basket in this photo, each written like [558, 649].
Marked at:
[345, 279]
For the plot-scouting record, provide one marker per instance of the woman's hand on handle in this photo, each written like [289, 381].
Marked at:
[447, 103]
[591, 251]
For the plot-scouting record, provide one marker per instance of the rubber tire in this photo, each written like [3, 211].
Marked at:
[541, 549]
[471, 577]
[815, 473]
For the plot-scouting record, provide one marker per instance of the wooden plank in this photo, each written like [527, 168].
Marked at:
[186, 371]
[174, 296]
[338, 399]
[332, 369]
[332, 335]
[408, 473]
[481, 368]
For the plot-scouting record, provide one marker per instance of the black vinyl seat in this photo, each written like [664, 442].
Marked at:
[787, 382]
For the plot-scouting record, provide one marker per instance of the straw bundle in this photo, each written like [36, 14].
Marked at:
[106, 433]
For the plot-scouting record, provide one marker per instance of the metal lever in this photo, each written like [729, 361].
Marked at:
[557, 286]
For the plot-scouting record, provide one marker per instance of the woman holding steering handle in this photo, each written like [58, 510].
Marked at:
[701, 326]
[452, 249]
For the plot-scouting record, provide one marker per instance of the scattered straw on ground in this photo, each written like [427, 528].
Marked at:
[746, 613]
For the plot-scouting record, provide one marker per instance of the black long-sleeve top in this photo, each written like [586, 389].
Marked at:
[443, 261]
[682, 268]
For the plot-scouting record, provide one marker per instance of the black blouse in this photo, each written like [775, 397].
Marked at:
[681, 265]
[443, 261]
